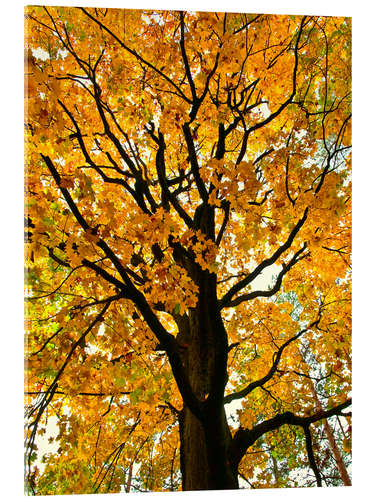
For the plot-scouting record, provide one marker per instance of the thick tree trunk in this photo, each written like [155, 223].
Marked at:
[205, 463]
[204, 454]
[204, 444]
[193, 454]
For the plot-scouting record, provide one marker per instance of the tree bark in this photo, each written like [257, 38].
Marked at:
[204, 442]
[331, 440]
[204, 452]
[205, 439]
[194, 462]
[129, 480]
[275, 470]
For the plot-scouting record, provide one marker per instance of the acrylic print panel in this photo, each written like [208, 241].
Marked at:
[188, 212]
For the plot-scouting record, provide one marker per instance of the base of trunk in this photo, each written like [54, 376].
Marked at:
[203, 457]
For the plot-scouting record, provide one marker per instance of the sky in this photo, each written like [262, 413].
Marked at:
[11, 200]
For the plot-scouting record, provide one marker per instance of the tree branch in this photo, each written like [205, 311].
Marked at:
[49, 394]
[277, 285]
[46, 343]
[224, 224]
[160, 168]
[294, 84]
[244, 438]
[194, 162]
[185, 59]
[98, 394]
[136, 55]
[310, 454]
[226, 299]
[277, 356]
[130, 291]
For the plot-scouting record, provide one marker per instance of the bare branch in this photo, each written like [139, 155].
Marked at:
[226, 299]
[260, 382]
[276, 287]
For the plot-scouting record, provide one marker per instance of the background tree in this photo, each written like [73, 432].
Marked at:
[172, 159]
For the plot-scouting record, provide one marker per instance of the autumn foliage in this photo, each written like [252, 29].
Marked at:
[188, 214]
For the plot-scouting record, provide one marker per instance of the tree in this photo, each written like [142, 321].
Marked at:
[173, 158]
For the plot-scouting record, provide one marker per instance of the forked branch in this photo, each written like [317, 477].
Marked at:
[227, 298]
[244, 438]
[277, 357]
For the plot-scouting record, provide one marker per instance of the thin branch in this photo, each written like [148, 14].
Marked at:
[260, 382]
[224, 224]
[94, 394]
[184, 57]
[226, 299]
[294, 84]
[136, 55]
[49, 394]
[276, 287]
[160, 168]
[194, 162]
[46, 342]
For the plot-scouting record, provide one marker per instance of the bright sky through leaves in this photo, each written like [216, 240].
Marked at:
[175, 161]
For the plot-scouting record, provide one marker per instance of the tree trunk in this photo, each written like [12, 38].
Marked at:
[276, 471]
[129, 480]
[331, 440]
[204, 443]
[204, 451]
[193, 454]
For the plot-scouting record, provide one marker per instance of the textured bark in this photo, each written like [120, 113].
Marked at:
[276, 471]
[337, 455]
[204, 441]
[204, 444]
[218, 439]
[194, 464]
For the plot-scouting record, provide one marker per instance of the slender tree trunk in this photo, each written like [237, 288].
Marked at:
[332, 442]
[276, 471]
[129, 480]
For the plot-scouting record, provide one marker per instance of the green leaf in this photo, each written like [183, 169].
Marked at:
[54, 206]
[134, 396]
[176, 309]
[119, 381]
